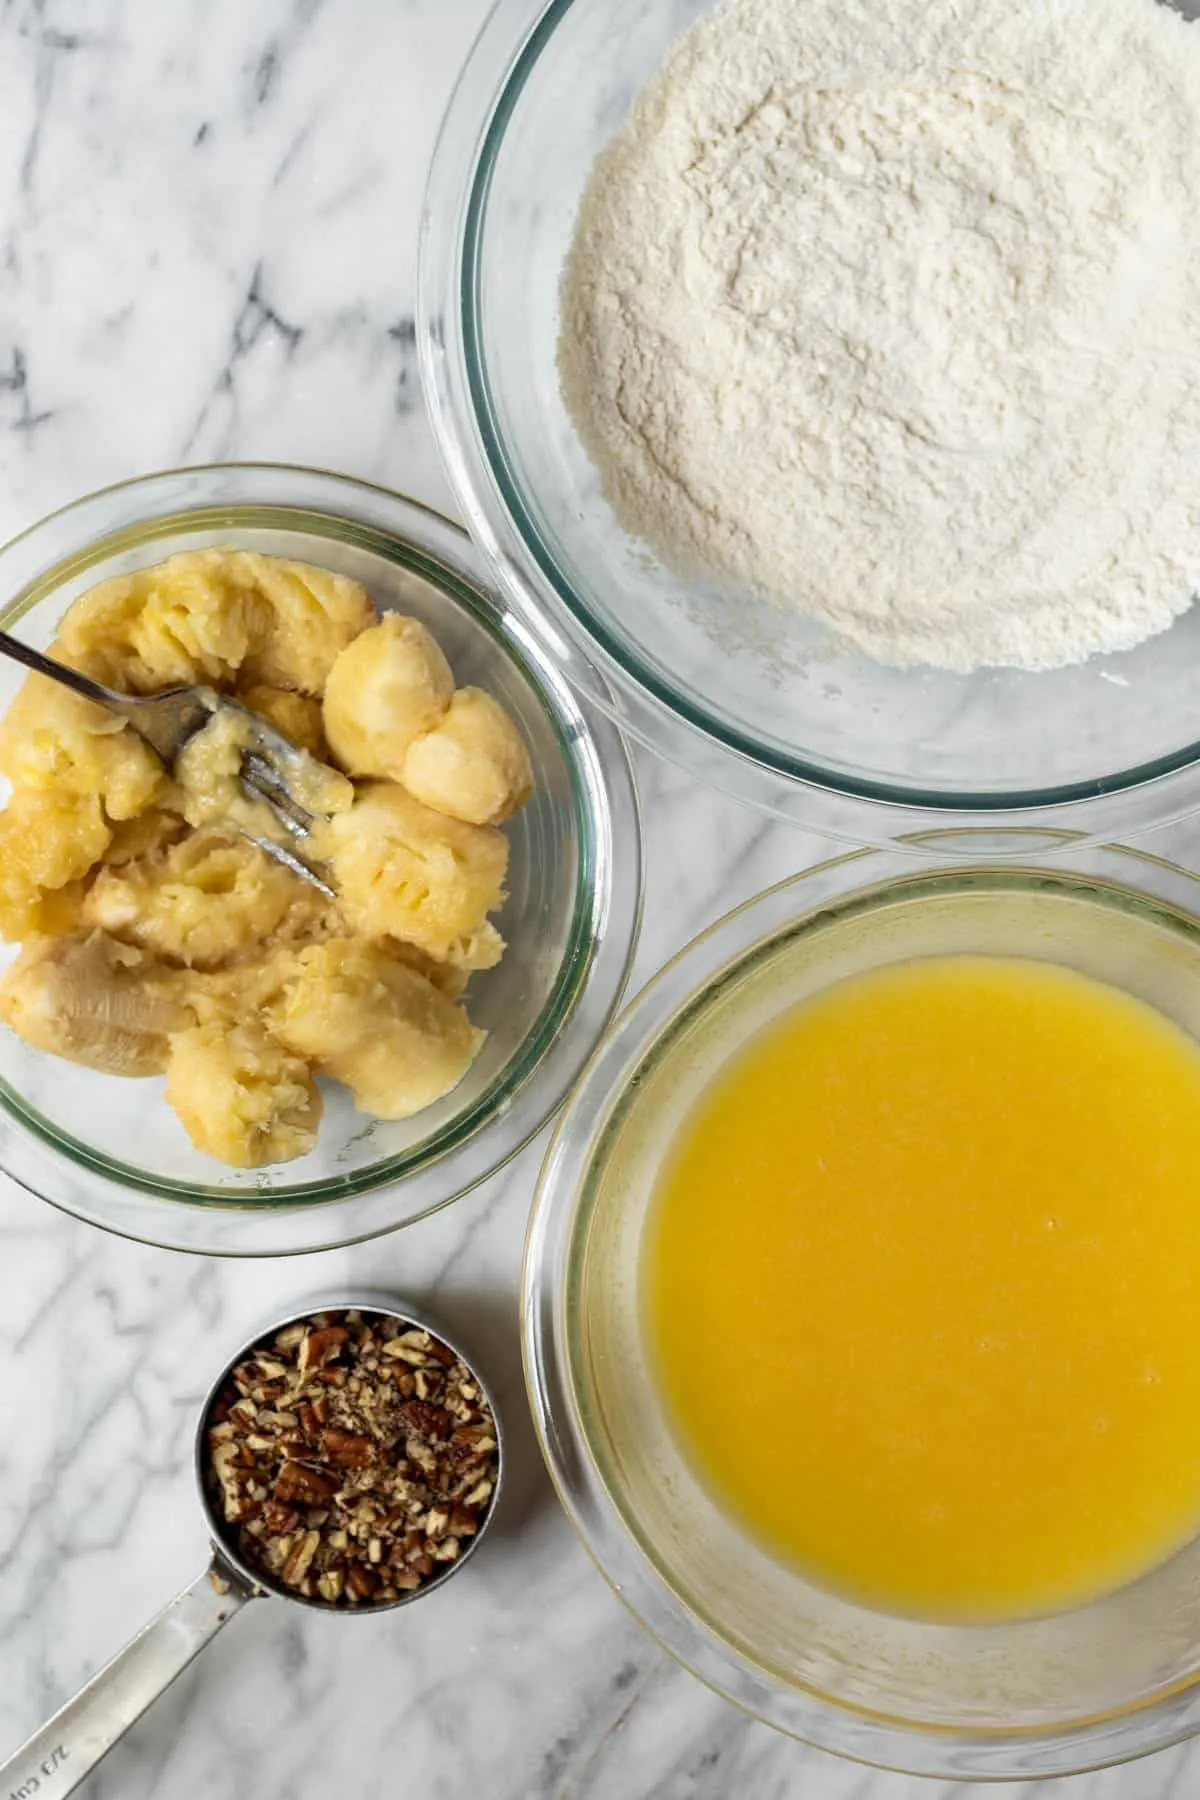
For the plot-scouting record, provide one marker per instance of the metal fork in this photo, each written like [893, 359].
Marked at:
[168, 721]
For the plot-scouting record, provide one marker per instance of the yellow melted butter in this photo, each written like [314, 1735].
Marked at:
[922, 1287]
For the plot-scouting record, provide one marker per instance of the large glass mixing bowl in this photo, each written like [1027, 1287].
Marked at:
[112, 1151]
[1043, 1697]
[761, 706]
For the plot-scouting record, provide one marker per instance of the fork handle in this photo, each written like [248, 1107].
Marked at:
[56, 671]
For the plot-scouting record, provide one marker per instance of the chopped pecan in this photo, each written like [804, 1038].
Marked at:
[471, 1437]
[320, 1347]
[279, 1519]
[347, 1449]
[297, 1482]
[424, 1420]
[464, 1521]
[362, 1581]
[329, 1585]
[300, 1558]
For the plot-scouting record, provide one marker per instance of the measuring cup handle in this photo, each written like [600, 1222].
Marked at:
[53, 1762]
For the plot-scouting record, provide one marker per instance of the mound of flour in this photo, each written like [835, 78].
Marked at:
[890, 309]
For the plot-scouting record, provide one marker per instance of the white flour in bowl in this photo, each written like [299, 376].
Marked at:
[891, 309]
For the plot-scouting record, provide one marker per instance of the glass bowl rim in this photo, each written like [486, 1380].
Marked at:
[558, 1220]
[603, 796]
[457, 382]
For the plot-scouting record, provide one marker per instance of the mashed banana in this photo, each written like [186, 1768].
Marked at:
[209, 768]
[160, 940]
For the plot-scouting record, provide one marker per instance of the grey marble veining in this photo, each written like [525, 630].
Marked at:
[208, 217]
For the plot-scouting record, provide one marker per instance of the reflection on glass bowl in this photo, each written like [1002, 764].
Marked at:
[111, 1151]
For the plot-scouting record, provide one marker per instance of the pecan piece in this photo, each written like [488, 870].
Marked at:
[329, 1585]
[428, 1421]
[347, 1449]
[473, 1439]
[361, 1581]
[279, 1519]
[298, 1483]
[300, 1559]
[320, 1347]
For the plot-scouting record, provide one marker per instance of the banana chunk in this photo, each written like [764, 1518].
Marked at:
[390, 685]
[106, 1005]
[473, 765]
[56, 742]
[212, 615]
[242, 1097]
[403, 870]
[365, 1017]
[192, 618]
[48, 842]
[205, 902]
[297, 716]
[310, 616]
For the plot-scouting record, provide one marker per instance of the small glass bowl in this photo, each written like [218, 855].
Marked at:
[741, 692]
[1038, 1698]
[111, 1151]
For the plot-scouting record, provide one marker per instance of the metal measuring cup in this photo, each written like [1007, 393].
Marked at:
[53, 1762]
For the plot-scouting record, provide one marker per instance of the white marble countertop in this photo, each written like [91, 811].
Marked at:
[208, 216]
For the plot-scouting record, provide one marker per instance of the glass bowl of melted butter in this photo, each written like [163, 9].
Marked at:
[198, 1048]
[859, 1311]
